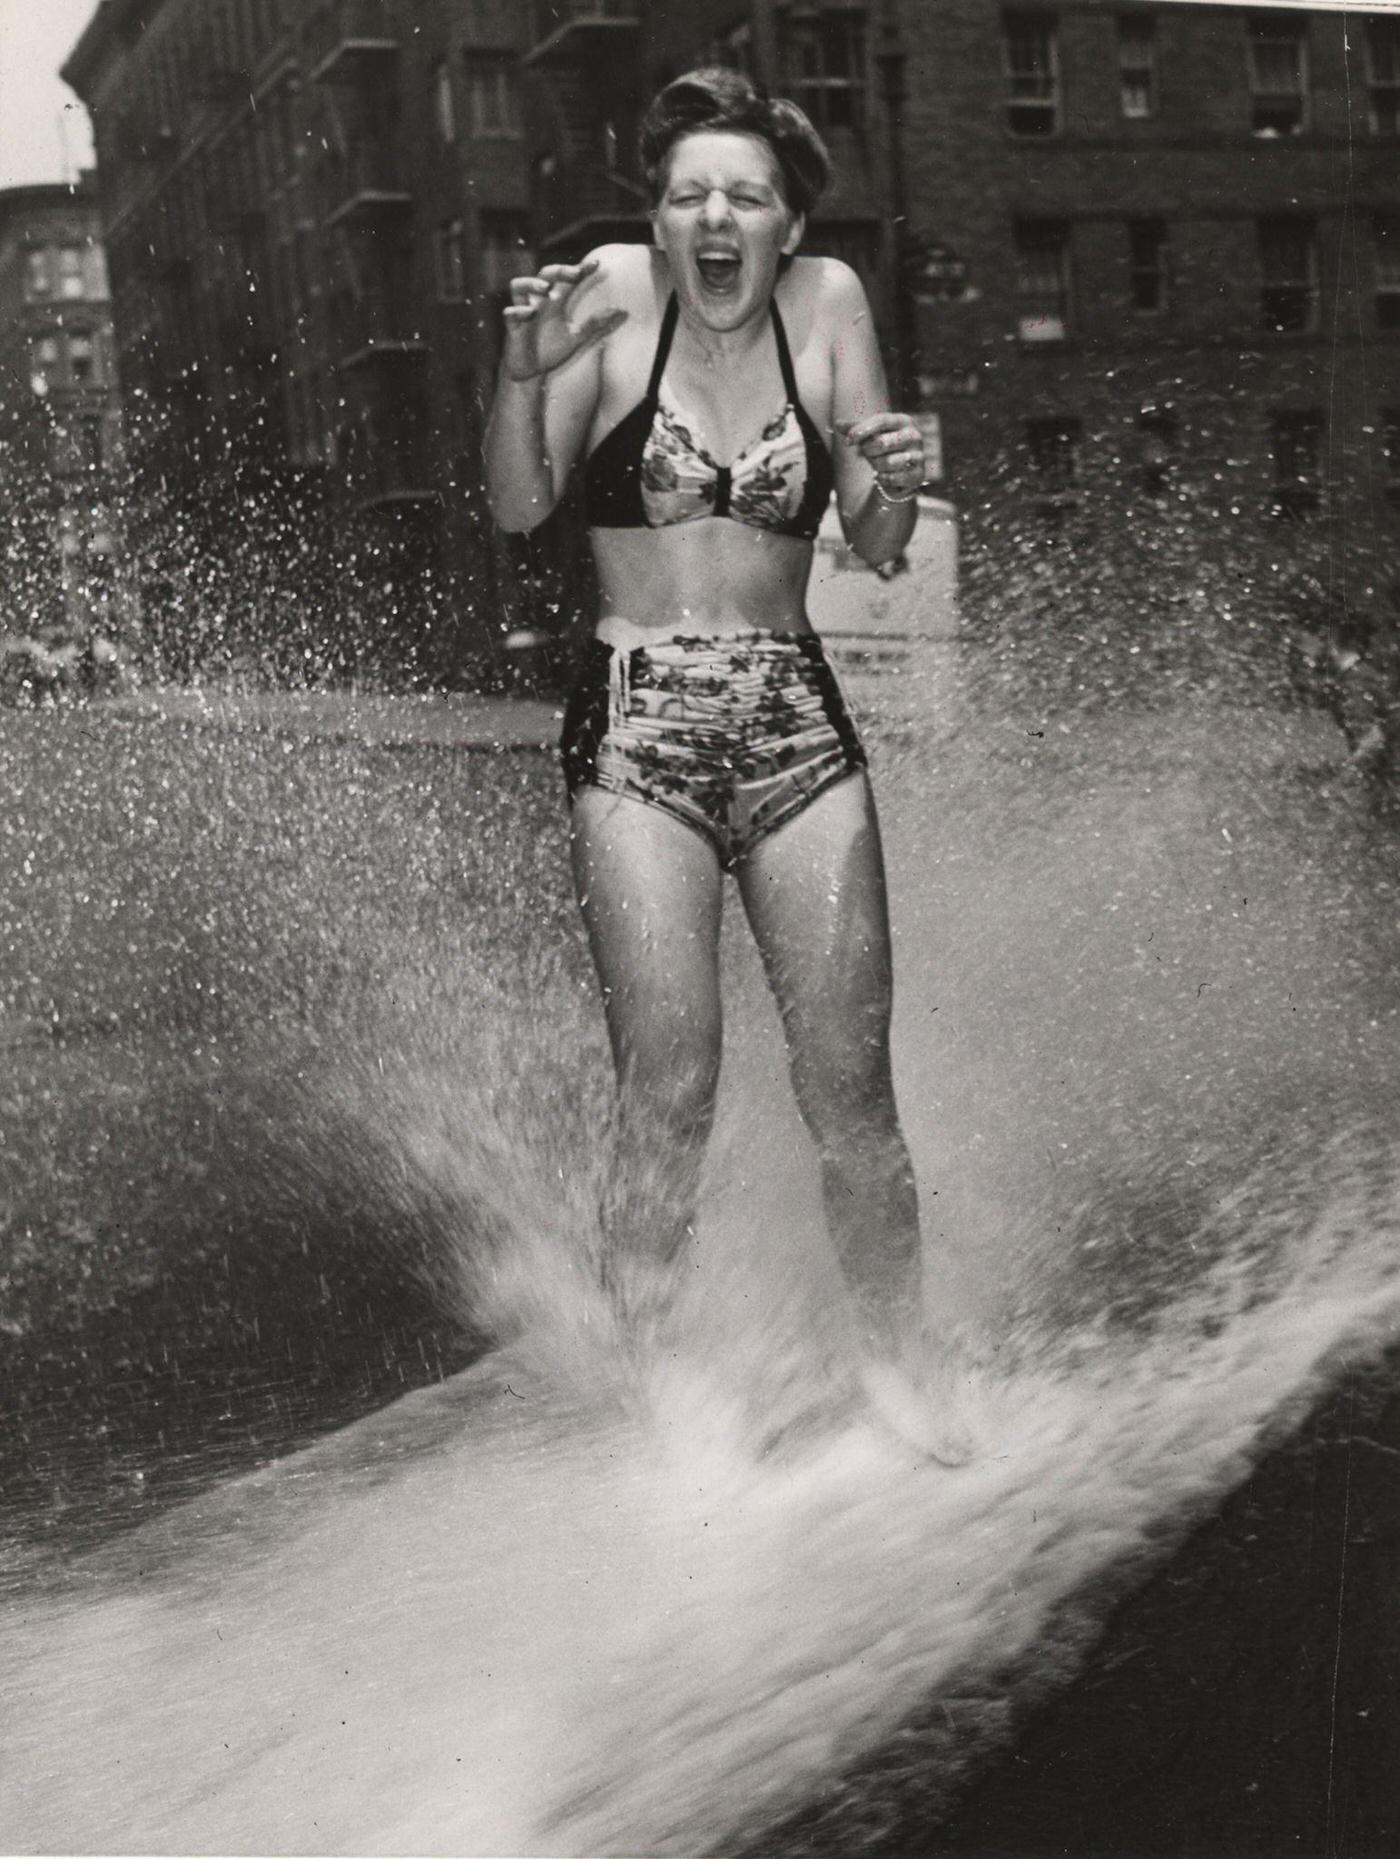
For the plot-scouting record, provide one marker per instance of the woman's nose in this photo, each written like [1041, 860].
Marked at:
[716, 207]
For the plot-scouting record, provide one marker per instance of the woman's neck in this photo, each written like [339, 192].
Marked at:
[709, 348]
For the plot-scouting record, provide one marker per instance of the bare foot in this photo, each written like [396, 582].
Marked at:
[923, 1416]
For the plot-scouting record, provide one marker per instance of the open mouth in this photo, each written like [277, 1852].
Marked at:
[719, 269]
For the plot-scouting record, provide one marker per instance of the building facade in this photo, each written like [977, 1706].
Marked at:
[1154, 258]
[1123, 256]
[312, 207]
[60, 422]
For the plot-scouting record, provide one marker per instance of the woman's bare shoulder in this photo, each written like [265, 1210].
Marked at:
[826, 287]
[625, 270]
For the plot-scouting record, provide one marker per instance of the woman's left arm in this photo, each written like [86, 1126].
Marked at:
[878, 454]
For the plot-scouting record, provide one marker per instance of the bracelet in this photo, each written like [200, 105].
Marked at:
[893, 497]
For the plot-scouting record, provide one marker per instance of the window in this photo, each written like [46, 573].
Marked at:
[1137, 65]
[1054, 448]
[444, 113]
[70, 271]
[451, 261]
[1277, 59]
[82, 360]
[1042, 288]
[38, 274]
[493, 91]
[1147, 259]
[1032, 71]
[1385, 236]
[1295, 445]
[822, 61]
[89, 442]
[1390, 453]
[45, 357]
[1159, 435]
[1288, 275]
[1383, 75]
[505, 249]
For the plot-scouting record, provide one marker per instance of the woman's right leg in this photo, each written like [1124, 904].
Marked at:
[650, 888]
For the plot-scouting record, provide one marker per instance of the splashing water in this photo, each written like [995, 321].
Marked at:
[649, 1595]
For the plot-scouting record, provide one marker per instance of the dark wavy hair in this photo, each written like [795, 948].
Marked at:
[717, 98]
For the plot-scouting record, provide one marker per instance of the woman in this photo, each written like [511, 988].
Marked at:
[707, 734]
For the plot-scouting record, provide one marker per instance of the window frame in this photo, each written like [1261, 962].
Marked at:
[501, 259]
[1159, 436]
[1297, 493]
[1056, 482]
[1036, 329]
[1131, 69]
[498, 117]
[814, 90]
[1380, 86]
[1052, 99]
[1390, 454]
[70, 273]
[450, 260]
[1385, 232]
[1274, 29]
[1140, 229]
[1302, 286]
[444, 103]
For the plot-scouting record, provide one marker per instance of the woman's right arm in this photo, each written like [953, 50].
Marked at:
[546, 392]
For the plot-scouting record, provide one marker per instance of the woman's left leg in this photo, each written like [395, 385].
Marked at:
[815, 896]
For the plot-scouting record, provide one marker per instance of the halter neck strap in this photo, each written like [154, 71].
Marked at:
[663, 345]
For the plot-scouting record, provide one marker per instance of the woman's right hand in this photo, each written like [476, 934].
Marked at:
[539, 334]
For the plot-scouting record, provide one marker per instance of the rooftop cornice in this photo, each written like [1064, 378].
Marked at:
[98, 39]
[39, 196]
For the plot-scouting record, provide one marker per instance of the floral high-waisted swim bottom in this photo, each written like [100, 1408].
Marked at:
[733, 733]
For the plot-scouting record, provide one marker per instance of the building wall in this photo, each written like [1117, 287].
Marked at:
[1202, 368]
[306, 205]
[60, 413]
[312, 211]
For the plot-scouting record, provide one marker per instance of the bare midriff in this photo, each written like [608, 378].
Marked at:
[708, 576]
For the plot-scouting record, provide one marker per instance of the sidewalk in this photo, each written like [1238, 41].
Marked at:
[462, 720]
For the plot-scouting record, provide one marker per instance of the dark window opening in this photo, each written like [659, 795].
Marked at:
[1383, 75]
[1295, 446]
[1288, 275]
[1053, 444]
[1147, 259]
[1276, 52]
[1043, 280]
[1385, 235]
[505, 248]
[1032, 70]
[1390, 454]
[1137, 66]
[1159, 436]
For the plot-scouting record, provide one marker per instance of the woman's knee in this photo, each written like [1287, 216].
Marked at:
[673, 1087]
[852, 1114]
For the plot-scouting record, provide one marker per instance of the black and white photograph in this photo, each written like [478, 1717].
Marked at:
[700, 928]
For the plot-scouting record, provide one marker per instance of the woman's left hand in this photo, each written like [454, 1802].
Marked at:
[892, 445]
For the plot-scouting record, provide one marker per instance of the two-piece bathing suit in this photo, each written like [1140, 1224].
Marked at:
[732, 733]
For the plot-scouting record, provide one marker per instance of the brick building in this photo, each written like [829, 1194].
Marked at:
[1131, 261]
[311, 208]
[60, 427]
[1155, 256]
[1124, 256]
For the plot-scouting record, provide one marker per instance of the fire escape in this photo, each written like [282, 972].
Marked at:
[583, 63]
[375, 341]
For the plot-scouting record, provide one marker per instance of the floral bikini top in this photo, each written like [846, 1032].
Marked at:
[650, 470]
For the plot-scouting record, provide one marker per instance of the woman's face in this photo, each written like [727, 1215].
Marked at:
[723, 222]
